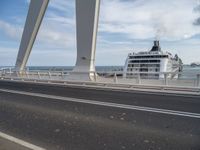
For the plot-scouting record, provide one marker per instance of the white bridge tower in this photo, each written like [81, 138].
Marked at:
[87, 16]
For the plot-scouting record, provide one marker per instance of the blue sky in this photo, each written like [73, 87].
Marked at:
[125, 26]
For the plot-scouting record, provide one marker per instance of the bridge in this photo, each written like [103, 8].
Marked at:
[84, 109]
[87, 16]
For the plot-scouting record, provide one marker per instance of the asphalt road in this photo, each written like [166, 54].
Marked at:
[65, 125]
[8, 145]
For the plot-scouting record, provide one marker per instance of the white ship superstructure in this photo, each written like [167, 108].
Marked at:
[152, 64]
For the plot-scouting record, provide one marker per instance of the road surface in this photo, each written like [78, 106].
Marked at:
[77, 118]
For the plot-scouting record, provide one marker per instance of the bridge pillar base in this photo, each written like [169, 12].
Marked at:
[87, 16]
[83, 73]
[80, 76]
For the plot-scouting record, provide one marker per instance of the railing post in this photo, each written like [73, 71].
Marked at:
[198, 80]
[17, 73]
[62, 75]
[138, 78]
[115, 78]
[49, 75]
[27, 75]
[10, 71]
[4, 73]
[39, 77]
[165, 79]
[1, 73]
[95, 77]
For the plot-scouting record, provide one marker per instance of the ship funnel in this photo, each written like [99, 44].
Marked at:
[156, 46]
[156, 43]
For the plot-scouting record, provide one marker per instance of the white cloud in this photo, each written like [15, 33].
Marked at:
[61, 5]
[9, 30]
[46, 57]
[50, 33]
[8, 56]
[143, 19]
[170, 20]
[139, 19]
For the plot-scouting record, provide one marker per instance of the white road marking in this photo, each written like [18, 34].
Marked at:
[108, 104]
[20, 142]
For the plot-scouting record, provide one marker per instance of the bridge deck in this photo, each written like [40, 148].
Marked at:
[56, 117]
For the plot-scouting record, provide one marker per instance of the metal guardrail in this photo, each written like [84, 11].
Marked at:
[113, 76]
[115, 86]
[111, 80]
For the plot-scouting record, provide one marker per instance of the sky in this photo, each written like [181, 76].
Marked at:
[125, 26]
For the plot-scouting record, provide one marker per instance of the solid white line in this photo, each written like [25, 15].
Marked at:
[108, 104]
[20, 142]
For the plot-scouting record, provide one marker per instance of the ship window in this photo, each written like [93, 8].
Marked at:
[145, 61]
[151, 56]
[154, 61]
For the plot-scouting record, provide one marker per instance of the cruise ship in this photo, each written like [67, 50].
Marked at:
[152, 64]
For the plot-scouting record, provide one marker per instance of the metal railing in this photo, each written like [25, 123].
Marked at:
[111, 78]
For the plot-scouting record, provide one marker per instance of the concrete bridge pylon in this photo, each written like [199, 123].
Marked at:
[37, 9]
[87, 16]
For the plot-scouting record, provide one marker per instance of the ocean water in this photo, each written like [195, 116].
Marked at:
[69, 68]
[190, 72]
